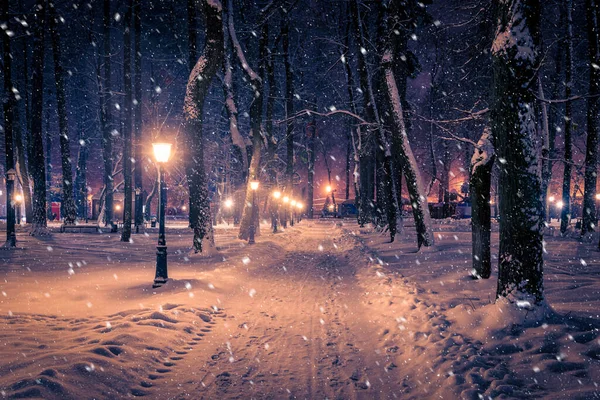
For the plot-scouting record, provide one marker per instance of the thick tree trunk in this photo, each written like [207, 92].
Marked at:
[196, 91]
[400, 144]
[289, 107]
[105, 119]
[81, 177]
[366, 149]
[68, 203]
[137, 121]
[547, 149]
[8, 124]
[593, 107]
[37, 162]
[565, 212]
[21, 166]
[312, 140]
[236, 138]
[26, 140]
[127, 124]
[407, 160]
[482, 163]
[48, 161]
[255, 123]
[515, 60]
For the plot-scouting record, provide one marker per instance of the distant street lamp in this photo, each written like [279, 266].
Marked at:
[329, 189]
[228, 203]
[299, 206]
[11, 236]
[286, 201]
[254, 187]
[274, 214]
[162, 152]
[18, 201]
[292, 211]
[138, 202]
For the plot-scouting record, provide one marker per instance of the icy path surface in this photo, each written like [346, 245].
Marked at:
[323, 310]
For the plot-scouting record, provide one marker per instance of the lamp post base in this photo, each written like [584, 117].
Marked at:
[161, 267]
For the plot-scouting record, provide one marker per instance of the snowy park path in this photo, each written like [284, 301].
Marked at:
[322, 310]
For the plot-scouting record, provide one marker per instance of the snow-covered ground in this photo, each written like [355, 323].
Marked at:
[323, 310]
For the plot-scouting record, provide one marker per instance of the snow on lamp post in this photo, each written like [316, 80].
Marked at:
[11, 237]
[254, 187]
[162, 152]
[274, 215]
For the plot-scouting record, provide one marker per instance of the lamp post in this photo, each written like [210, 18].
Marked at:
[138, 213]
[228, 204]
[292, 211]
[162, 152]
[275, 212]
[11, 237]
[18, 201]
[286, 201]
[329, 189]
[252, 232]
[299, 206]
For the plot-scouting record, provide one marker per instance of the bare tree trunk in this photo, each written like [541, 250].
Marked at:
[593, 105]
[37, 161]
[236, 138]
[137, 121]
[515, 64]
[255, 122]
[565, 212]
[150, 197]
[68, 205]
[81, 177]
[481, 177]
[402, 148]
[547, 149]
[105, 119]
[48, 161]
[348, 158]
[25, 140]
[8, 122]
[312, 140]
[289, 106]
[127, 124]
[206, 67]
[21, 166]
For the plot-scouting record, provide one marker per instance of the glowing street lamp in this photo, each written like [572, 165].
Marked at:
[162, 153]
[552, 198]
[559, 205]
[254, 187]
[228, 203]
